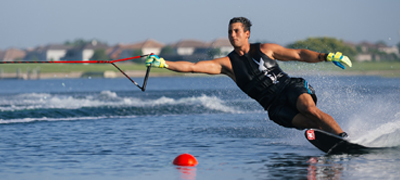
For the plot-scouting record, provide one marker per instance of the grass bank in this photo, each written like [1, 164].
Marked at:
[385, 69]
[82, 68]
[63, 68]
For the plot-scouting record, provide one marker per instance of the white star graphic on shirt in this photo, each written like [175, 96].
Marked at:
[263, 69]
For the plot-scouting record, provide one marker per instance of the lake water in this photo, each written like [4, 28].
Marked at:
[109, 129]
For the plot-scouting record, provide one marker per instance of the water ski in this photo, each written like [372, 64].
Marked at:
[332, 144]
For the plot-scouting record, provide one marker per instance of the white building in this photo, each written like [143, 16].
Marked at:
[84, 52]
[188, 47]
[390, 50]
[52, 52]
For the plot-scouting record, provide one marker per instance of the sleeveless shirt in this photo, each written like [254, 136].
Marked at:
[259, 76]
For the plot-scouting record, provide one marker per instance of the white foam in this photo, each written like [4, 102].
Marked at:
[367, 110]
[376, 123]
[32, 101]
[28, 120]
[386, 135]
[212, 103]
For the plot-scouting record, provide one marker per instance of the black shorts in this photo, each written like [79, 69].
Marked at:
[283, 109]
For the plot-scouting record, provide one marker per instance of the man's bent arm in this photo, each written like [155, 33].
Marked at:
[285, 54]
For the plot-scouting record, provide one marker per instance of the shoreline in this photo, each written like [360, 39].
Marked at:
[51, 71]
[141, 73]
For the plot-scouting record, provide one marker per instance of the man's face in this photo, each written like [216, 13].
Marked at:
[237, 36]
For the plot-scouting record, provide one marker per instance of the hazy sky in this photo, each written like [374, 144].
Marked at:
[29, 23]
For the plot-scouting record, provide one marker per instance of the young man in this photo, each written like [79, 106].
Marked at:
[290, 102]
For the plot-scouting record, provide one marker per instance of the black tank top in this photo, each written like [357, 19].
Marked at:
[258, 75]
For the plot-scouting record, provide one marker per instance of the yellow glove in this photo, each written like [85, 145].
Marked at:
[155, 61]
[338, 59]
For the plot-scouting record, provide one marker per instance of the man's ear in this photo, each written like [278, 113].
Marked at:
[247, 34]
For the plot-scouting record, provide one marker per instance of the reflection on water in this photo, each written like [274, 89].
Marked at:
[323, 168]
[294, 166]
[187, 173]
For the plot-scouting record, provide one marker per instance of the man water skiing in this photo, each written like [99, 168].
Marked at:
[290, 102]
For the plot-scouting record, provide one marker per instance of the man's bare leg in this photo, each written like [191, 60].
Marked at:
[312, 117]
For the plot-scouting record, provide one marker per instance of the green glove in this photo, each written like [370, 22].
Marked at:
[338, 59]
[155, 61]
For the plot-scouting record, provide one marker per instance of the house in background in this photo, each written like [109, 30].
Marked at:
[389, 50]
[223, 45]
[196, 50]
[12, 54]
[188, 50]
[128, 50]
[52, 52]
[188, 47]
[376, 52]
[84, 52]
[115, 51]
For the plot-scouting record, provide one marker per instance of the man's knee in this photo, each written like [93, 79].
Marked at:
[311, 110]
[300, 121]
[306, 105]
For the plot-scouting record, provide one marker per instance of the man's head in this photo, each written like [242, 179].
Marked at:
[245, 22]
[239, 31]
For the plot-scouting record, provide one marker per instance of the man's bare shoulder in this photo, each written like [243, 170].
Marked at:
[270, 46]
[271, 49]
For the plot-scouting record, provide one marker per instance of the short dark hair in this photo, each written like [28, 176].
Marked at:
[246, 22]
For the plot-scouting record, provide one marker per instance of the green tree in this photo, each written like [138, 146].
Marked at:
[213, 52]
[167, 50]
[80, 42]
[76, 42]
[138, 52]
[100, 54]
[381, 42]
[324, 45]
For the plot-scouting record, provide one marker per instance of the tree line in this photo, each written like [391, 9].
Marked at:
[318, 44]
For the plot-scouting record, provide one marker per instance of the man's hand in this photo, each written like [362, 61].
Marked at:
[155, 61]
[338, 59]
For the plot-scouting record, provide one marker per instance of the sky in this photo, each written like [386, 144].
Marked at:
[30, 23]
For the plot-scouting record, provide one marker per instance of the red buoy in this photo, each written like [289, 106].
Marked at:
[185, 160]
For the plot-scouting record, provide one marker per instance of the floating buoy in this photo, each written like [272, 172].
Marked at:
[185, 160]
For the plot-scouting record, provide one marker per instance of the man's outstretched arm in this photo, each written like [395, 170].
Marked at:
[216, 66]
[208, 67]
